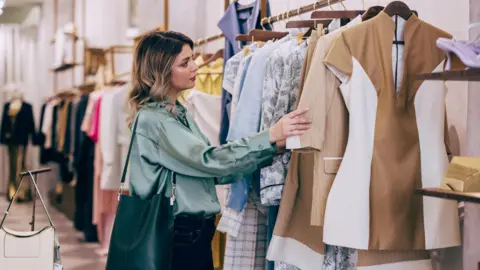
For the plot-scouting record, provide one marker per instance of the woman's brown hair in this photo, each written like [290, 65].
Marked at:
[152, 67]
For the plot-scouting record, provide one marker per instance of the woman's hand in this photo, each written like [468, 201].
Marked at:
[292, 124]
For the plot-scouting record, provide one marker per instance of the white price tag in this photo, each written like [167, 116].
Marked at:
[57, 266]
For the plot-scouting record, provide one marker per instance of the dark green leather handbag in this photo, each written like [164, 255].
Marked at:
[142, 236]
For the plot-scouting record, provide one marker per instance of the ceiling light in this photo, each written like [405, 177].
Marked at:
[2, 4]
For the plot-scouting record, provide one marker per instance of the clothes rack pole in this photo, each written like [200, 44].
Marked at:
[298, 11]
[206, 40]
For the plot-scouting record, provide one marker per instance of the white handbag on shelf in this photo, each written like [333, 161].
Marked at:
[36, 250]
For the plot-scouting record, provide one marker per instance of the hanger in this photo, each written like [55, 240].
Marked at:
[245, 7]
[243, 37]
[336, 14]
[215, 56]
[371, 12]
[262, 35]
[398, 8]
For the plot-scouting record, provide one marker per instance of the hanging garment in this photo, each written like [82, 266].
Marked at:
[63, 137]
[48, 121]
[413, 112]
[114, 137]
[205, 109]
[281, 83]
[248, 114]
[279, 96]
[246, 238]
[298, 232]
[232, 24]
[295, 240]
[209, 78]
[105, 202]
[80, 188]
[215, 77]
[19, 129]
[239, 78]
[73, 132]
[86, 168]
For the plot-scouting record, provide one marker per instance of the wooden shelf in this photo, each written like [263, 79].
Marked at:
[64, 67]
[454, 75]
[70, 36]
[449, 195]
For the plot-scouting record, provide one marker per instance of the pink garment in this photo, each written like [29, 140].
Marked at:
[104, 201]
[93, 133]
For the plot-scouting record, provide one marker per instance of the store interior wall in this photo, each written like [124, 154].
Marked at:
[107, 21]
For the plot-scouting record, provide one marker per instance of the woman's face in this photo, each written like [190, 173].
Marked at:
[184, 70]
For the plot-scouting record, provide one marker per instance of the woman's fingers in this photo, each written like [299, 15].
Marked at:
[302, 127]
[297, 112]
[300, 120]
[296, 132]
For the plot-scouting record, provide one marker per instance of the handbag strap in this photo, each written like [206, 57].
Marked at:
[57, 243]
[125, 166]
[39, 195]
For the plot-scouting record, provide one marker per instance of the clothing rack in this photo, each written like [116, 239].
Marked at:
[299, 11]
[206, 40]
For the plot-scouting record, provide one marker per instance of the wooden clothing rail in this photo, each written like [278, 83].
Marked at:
[206, 40]
[298, 11]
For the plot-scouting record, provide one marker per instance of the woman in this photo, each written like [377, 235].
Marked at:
[168, 146]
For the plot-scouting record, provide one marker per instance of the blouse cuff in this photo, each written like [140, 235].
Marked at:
[261, 142]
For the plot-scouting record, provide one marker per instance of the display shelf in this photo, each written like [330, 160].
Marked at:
[450, 195]
[86, 86]
[453, 75]
[70, 36]
[64, 67]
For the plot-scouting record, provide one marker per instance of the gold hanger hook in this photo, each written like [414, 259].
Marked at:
[330, 5]
[270, 22]
[262, 22]
[298, 13]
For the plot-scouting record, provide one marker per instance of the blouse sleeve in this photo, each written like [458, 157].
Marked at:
[181, 151]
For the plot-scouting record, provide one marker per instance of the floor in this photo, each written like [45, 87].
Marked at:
[75, 255]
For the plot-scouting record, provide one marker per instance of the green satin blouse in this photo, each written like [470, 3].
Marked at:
[166, 144]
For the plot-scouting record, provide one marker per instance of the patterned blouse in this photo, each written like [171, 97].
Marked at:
[280, 89]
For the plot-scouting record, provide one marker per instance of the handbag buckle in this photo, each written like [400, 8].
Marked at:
[120, 191]
[174, 195]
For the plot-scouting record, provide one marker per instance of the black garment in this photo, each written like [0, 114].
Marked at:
[192, 243]
[84, 191]
[20, 132]
[79, 115]
[83, 164]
